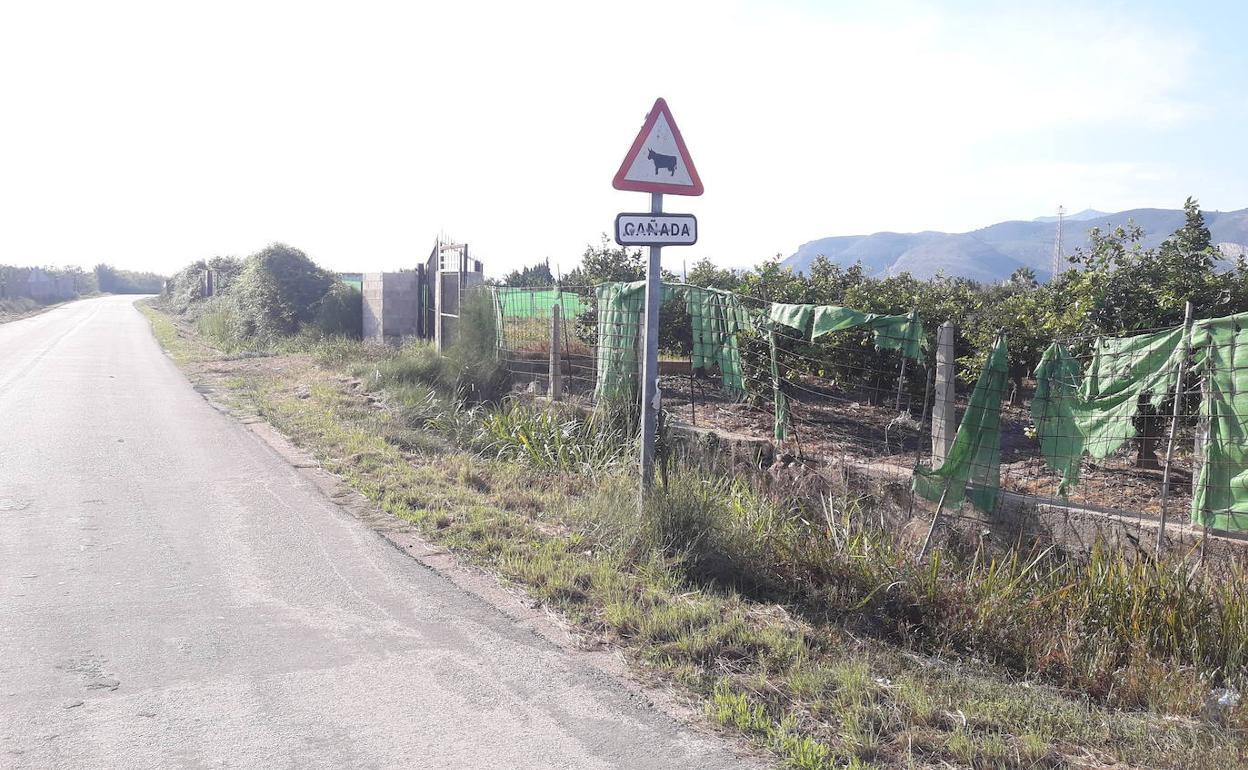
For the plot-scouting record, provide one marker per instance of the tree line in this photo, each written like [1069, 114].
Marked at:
[61, 283]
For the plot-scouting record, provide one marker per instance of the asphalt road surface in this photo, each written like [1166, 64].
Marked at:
[174, 594]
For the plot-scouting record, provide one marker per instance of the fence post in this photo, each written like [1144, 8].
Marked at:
[1199, 452]
[944, 412]
[437, 307]
[556, 360]
[1174, 424]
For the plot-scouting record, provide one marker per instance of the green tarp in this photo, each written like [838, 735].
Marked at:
[716, 317]
[975, 456]
[1220, 499]
[1052, 411]
[620, 307]
[1095, 413]
[903, 333]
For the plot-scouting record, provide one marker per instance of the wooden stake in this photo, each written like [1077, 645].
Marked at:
[935, 517]
[1174, 424]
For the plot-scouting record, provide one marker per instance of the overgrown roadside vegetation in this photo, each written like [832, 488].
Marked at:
[27, 291]
[19, 307]
[803, 628]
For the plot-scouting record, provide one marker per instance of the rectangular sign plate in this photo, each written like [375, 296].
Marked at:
[656, 229]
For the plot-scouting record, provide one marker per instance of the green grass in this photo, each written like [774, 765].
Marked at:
[808, 633]
[554, 439]
[174, 340]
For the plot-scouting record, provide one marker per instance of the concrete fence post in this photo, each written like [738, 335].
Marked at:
[944, 412]
[556, 360]
[437, 310]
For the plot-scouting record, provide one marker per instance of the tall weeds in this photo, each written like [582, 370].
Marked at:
[553, 440]
[1131, 633]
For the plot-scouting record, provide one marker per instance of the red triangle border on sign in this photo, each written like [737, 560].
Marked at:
[620, 183]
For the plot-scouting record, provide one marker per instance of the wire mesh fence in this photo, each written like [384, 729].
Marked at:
[1107, 433]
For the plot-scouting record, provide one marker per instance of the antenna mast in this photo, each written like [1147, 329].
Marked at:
[1057, 244]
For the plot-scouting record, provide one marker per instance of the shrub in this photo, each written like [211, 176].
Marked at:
[217, 319]
[340, 312]
[1130, 633]
[278, 291]
[472, 359]
[417, 362]
[17, 305]
[550, 439]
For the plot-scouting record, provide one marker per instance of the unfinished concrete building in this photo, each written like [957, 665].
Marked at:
[423, 302]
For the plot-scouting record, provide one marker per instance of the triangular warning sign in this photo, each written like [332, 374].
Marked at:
[658, 161]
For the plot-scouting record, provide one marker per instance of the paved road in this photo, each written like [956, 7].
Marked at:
[174, 594]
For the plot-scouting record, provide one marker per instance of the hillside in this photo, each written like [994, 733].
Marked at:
[992, 253]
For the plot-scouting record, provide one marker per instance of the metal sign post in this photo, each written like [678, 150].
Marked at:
[657, 163]
[650, 363]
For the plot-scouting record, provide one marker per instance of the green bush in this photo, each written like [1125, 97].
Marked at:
[278, 292]
[340, 313]
[553, 439]
[217, 319]
[17, 305]
[417, 362]
[472, 359]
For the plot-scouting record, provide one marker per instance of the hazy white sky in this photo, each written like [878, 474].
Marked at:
[152, 134]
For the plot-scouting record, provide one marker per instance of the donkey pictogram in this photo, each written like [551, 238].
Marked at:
[662, 161]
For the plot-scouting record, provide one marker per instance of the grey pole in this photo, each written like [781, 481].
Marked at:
[650, 361]
[944, 418]
[556, 360]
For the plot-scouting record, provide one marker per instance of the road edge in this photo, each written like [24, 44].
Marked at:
[509, 600]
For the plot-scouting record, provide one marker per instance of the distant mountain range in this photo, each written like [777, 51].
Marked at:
[992, 253]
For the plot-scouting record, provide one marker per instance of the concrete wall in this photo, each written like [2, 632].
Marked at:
[391, 301]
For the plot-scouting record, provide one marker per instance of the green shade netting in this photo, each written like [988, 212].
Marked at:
[620, 307]
[1220, 496]
[536, 303]
[903, 333]
[975, 456]
[1052, 410]
[1122, 370]
[1095, 413]
[716, 318]
[518, 303]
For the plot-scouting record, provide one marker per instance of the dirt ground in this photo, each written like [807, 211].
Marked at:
[831, 427]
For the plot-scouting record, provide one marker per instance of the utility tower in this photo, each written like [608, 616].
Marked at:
[1058, 257]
